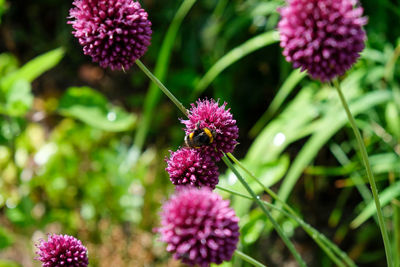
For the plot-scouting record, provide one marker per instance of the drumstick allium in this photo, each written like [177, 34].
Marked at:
[189, 166]
[324, 37]
[62, 250]
[199, 227]
[218, 119]
[115, 33]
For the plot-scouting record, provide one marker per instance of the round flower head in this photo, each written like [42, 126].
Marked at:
[323, 37]
[199, 227]
[113, 32]
[62, 250]
[189, 166]
[208, 114]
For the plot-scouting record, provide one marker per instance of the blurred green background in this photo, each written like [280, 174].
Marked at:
[82, 149]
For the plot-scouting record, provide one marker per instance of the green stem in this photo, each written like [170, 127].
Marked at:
[162, 87]
[160, 71]
[278, 229]
[326, 246]
[312, 232]
[249, 259]
[370, 175]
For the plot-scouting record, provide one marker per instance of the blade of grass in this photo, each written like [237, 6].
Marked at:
[160, 71]
[385, 197]
[356, 177]
[34, 68]
[328, 127]
[287, 87]
[326, 246]
[234, 55]
[278, 229]
[319, 238]
[370, 175]
[248, 259]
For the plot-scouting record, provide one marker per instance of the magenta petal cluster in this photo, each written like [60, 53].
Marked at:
[208, 113]
[189, 166]
[115, 33]
[62, 250]
[199, 227]
[323, 37]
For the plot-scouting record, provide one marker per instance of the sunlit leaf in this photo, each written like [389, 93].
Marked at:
[33, 69]
[328, 127]
[19, 99]
[385, 197]
[393, 119]
[92, 108]
[8, 63]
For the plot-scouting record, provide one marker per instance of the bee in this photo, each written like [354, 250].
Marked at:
[200, 137]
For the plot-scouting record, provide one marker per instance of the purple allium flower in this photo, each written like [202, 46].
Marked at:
[208, 114]
[323, 37]
[114, 33]
[199, 227]
[62, 250]
[189, 166]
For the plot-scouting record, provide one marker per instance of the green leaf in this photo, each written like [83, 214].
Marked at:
[92, 108]
[33, 69]
[234, 55]
[8, 63]
[385, 163]
[385, 197]
[328, 126]
[393, 119]
[252, 229]
[287, 87]
[19, 99]
[269, 174]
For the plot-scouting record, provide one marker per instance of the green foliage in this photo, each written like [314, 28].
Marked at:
[33, 69]
[18, 99]
[82, 150]
[92, 108]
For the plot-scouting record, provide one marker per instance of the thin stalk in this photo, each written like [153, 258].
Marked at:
[326, 245]
[161, 69]
[249, 259]
[278, 229]
[370, 175]
[162, 87]
[312, 232]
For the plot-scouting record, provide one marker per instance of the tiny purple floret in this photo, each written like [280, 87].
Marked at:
[189, 166]
[324, 37]
[208, 113]
[62, 250]
[115, 33]
[199, 227]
